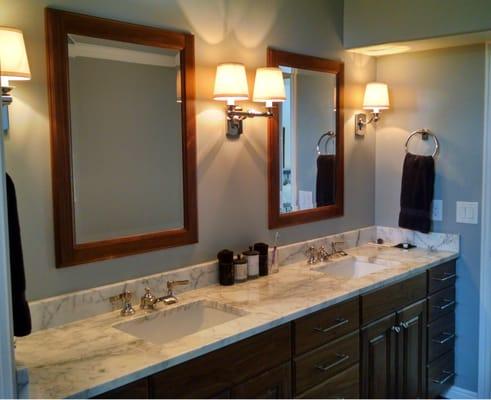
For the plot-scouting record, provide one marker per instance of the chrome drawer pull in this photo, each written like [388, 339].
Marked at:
[342, 359]
[339, 322]
[449, 275]
[445, 306]
[449, 376]
[448, 336]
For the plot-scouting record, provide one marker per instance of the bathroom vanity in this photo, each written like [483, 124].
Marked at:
[391, 342]
[305, 332]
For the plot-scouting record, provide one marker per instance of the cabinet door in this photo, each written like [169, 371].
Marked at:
[272, 384]
[379, 347]
[411, 357]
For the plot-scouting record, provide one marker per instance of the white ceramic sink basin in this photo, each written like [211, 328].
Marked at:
[164, 326]
[351, 267]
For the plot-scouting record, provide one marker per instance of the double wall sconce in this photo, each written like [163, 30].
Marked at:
[376, 99]
[14, 66]
[231, 86]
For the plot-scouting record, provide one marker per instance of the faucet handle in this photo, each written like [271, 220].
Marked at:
[311, 253]
[172, 283]
[125, 297]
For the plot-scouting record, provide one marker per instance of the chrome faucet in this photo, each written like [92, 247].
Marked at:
[125, 299]
[148, 300]
[335, 251]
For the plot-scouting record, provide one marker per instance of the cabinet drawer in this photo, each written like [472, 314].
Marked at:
[384, 301]
[323, 326]
[214, 373]
[272, 384]
[441, 374]
[441, 303]
[324, 362]
[441, 336]
[134, 390]
[441, 276]
[345, 385]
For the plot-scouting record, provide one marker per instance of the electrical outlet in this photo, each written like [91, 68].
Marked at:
[467, 212]
[437, 210]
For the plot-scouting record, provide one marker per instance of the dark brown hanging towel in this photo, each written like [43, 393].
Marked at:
[325, 191]
[418, 180]
[20, 308]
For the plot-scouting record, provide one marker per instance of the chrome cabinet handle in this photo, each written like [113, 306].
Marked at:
[339, 322]
[448, 336]
[341, 359]
[396, 329]
[445, 306]
[450, 375]
[449, 275]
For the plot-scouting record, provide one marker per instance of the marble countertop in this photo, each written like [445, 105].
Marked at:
[88, 357]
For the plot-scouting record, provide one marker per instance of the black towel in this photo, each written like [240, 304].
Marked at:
[20, 308]
[418, 180]
[325, 192]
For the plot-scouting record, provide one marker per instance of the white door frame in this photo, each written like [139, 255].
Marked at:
[7, 361]
[484, 367]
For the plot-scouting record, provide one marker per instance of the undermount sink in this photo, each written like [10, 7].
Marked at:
[165, 326]
[351, 267]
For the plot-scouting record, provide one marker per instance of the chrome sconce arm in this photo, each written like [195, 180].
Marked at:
[361, 121]
[235, 116]
[6, 101]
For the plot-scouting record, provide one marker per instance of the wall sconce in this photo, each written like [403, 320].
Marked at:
[14, 66]
[376, 98]
[231, 86]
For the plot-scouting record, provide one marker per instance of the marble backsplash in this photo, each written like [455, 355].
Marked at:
[59, 310]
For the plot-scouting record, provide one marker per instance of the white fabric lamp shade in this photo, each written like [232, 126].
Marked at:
[376, 97]
[231, 83]
[269, 85]
[13, 57]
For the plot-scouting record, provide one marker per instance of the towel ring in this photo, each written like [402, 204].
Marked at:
[424, 135]
[330, 135]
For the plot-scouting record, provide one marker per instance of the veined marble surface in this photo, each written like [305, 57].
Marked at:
[88, 357]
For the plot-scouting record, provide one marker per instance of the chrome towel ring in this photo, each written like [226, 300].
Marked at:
[425, 133]
[329, 135]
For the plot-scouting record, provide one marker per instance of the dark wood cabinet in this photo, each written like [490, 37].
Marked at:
[378, 365]
[133, 390]
[218, 372]
[394, 342]
[411, 352]
[272, 384]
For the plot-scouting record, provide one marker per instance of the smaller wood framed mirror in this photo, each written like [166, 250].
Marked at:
[123, 141]
[306, 141]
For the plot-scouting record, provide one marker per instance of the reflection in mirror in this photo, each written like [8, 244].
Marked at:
[126, 138]
[307, 124]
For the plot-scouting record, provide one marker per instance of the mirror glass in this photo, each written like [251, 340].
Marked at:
[126, 138]
[307, 137]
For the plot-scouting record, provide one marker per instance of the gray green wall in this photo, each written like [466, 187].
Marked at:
[369, 22]
[442, 90]
[232, 175]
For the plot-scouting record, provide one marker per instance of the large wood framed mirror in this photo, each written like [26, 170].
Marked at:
[123, 138]
[305, 141]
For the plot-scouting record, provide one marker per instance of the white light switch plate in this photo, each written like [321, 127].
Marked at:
[467, 212]
[437, 210]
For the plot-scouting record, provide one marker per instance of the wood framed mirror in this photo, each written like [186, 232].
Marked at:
[123, 141]
[306, 141]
